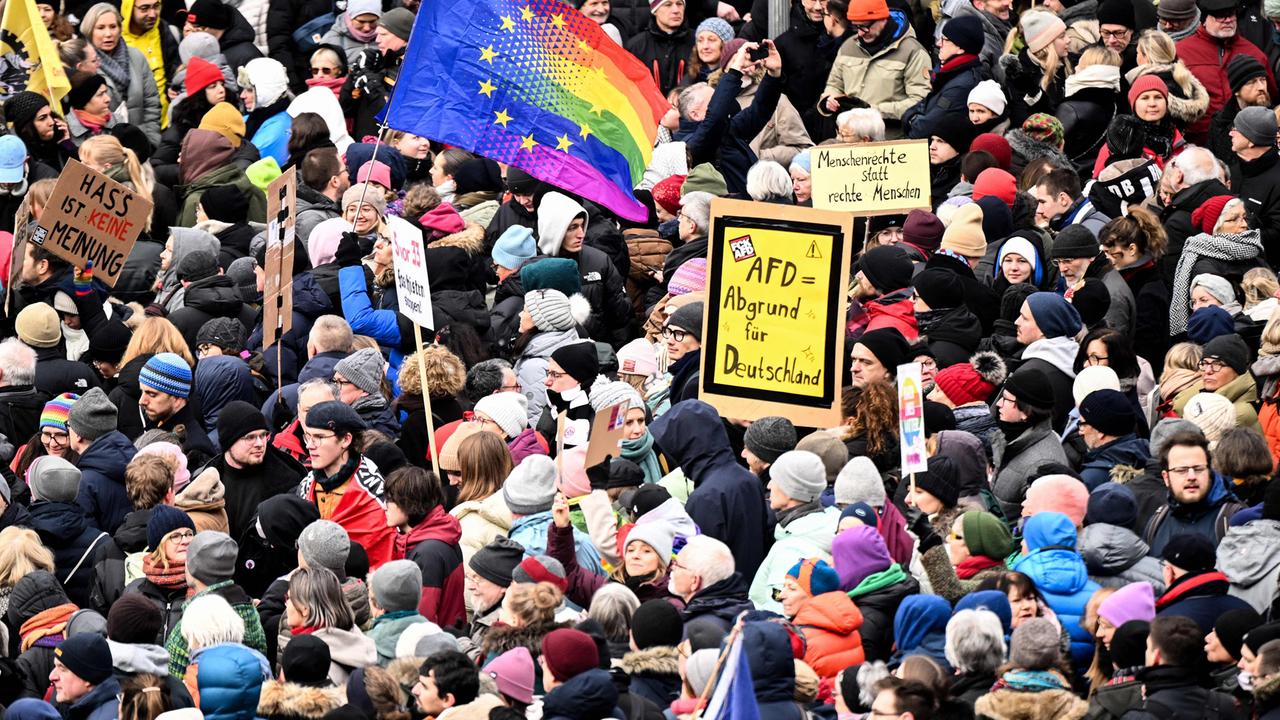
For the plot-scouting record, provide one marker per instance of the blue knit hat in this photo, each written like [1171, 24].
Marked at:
[1208, 323]
[717, 26]
[1054, 315]
[168, 373]
[994, 601]
[514, 247]
[552, 274]
[164, 520]
[819, 578]
[801, 160]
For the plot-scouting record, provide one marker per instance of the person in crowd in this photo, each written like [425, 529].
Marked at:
[876, 584]
[1059, 573]
[664, 44]
[705, 578]
[1175, 654]
[1037, 74]
[1208, 52]
[1195, 589]
[796, 480]
[1035, 677]
[315, 607]
[974, 550]
[127, 71]
[1198, 502]
[431, 536]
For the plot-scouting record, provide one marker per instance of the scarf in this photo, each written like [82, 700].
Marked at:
[334, 84]
[878, 581]
[1031, 681]
[1159, 136]
[329, 483]
[174, 577]
[363, 36]
[94, 123]
[306, 630]
[973, 565]
[640, 452]
[115, 65]
[1229, 246]
[1013, 430]
[1106, 77]
[48, 624]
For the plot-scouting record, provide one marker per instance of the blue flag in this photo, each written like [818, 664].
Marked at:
[735, 695]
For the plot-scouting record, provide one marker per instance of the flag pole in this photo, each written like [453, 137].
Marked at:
[715, 671]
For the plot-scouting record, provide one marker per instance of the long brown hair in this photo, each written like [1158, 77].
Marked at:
[484, 463]
[872, 412]
[156, 335]
[143, 697]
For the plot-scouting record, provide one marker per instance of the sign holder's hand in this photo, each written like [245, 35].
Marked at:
[560, 511]
[83, 281]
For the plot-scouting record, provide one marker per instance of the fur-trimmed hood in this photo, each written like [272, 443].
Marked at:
[470, 238]
[1189, 101]
[284, 699]
[660, 660]
[1044, 705]
[1031, 149]
[505, 637]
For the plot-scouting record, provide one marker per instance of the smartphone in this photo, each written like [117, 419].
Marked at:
[758, 53]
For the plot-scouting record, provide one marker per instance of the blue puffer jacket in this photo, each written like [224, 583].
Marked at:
[920, 628]
[272, 138]
[773, 670]
[230, 680]
[1060, 575]
[102, 493]
[387, 326]
[587, 696]
[1129, 450]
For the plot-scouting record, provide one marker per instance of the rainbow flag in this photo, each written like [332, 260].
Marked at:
[534, 84]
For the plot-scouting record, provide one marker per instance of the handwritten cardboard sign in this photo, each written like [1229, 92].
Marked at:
[277, 290]
[91, 217]
[773, 329]
[413, 287]
[606, 433]
[881, 178]
[915, 458]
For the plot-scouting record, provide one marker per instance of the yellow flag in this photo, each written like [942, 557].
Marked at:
[28, 58]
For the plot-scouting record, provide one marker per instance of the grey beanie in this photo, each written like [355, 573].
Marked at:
[397, 585]
[860, 481]
[53, 479]
[769, 437]
[1257, 125]
[531, 486]
[211, 557]
[1035, 645]
[549, 309]
[325, 544]
[198, 44]
[1176, 9]
[429, 645]
[611, 392]
[520, 575]
[93, 415]
[688, 318]
[800, 474]
[364, 369]
[1166, 429]
[699, 667]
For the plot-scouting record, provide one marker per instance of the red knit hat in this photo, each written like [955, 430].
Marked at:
[569, 653]
[861, 11]
[667, 193]
[997, 183]
[1145, 83]
[973, 381]
[1205, 217]
[997, 146]
[200, 74]
[443, 219]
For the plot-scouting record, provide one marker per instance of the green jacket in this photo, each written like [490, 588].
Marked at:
[180, 652]
[805, 537]
[225, 175]
[386, 632]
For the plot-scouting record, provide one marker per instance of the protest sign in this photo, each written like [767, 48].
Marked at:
[606, 433]
[413, 289]
[91, 217]
[773, 328]
[882, 178]
[911, 419]
[277, 292]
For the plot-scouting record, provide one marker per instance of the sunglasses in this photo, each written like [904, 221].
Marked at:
[325, 71]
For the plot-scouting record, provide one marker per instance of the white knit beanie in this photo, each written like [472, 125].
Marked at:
[989, 95]
[611, 392]
[860, 481]
[510, 410]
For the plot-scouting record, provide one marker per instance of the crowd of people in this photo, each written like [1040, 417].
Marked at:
[346, 524]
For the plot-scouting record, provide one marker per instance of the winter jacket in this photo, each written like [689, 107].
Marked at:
[132, 659]
[142, 100]
[1171, 691]
[272, 137]
[1207, 58]
[20, 408]
[348, 650]
[196, 445]
[728, 502]
[1176, 216]
[994, 30]
[784, 136]
[1151, 310]
[1085, 114]
[979, 298]
[1255, 181]
[246, 488]
[1116, 557]
[55, 374]
[100, 703]
[1022, 77]
[180, 652]
[531, 367]
[943, 578]
[237, 43]
[773, 670]
[32, 595]
[1060, 575]
[587, 696]
[290, 701]
[340, 35]
[313, 209]
[1202, 597]
[433, 545]
[1209, 517]
[228, 680]
[830, 624]
[481, 521]
[724, 135]
[947, 103]
[1129, 450]
[102, 494]
[892, 79]
[808, 536]
[229, 174]
[602, 283]
[169, 601]
[64, 529]
[655, 674]
[663, 54]
[1121, 315]
[1245, 556]
[531, 532]
[893, 310]
[808, 52]
[720, 603]
[879, 606]
[362, 511]
[952, 334]
[207, 299]
[309, 302]
[1016, 463]
[1048, 704]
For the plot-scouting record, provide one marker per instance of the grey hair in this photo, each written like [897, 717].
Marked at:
[18, 362]
[707, 558]
[211, 621]
[318, 591]
[91, 18]
[689, 97]
[697, 207]
[156, 435]
[1197, 165]
[767, 180]
[328, 385]
[331, 333]
[612, 606]
[975, 641]
[485, 378]
[863, 122]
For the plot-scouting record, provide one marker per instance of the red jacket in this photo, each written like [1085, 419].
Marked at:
[289, 440]
[434, 545]
[362, 512]
[830, 623]
[1207, 58]
[894, 310]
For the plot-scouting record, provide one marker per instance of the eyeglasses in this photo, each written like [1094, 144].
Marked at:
[670, 333]
[1213, 365]
[1188, 470]
[556, 375]
[177, 537]
[1005, 399]
[313, 439]
[513, 387]
[955, 537]
[254, 438]
[863, 27]
[54, 438]
[1097, 359]
[1115, 34]
[325, 71]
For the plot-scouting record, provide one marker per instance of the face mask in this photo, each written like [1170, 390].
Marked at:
[1245, 681]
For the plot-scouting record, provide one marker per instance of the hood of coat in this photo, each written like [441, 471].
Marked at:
[492, 510]
[543, 343]
[591, 694]
[1110, 549]
[219, 380]
[773, 665]
[58, 524]
[185, 242]
[349, 648]
[660, 660]
[1051, 559]
[34, 593]
[131, 658]
[284, 699]
[438, 525]
[205, 492]
[920, 618]
[469, 239]
[556, 212]
[1059, 352]
[108, 456]
[692, 434]
[1247, 554]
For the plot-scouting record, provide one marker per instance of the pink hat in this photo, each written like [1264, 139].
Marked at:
[375, 172]
[443, 220]
[183, 475]
[512, 672]
[1135, 601]
[572, 480]
[691, 276]
[1058, 493]
[638, 357]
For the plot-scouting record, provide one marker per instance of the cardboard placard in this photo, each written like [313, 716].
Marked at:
[91, 217]
[606, 433]
[915, 458]
[413, 287]
[881, 178]
[277, 291]
[773, 330]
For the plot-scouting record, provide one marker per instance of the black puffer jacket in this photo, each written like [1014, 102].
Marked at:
[237, 43]
[206, 299]
[1085, 116]
[283, 18]
[137, 280]
[64, 529]
[952, 334]
[34, 593]
[169, 601]
[55, 374]
[665, 55]
[878, 610]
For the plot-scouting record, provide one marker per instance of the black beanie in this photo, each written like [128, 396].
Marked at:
[580, 361]
[1117, 12]
[226, 203]
[889, 347]
[1029, 386]
[197, 265]
[1092, 300]
[21, 108]
[656, 623]
[237, 419]
[109, 343]
[624, 474]
[939, 288]
[83, 87]
[86, 655]
[134, 619]
[1231, 350]
[886, 267]
[940, 480]
[1240, 70]
[1233, 625]
[1129, 644]
[496, 561]
[305, 661]
[225, 333]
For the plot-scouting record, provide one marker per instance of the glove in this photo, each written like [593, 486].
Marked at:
[348, 254]
[921, 528]
[83, 281]
[598, 474]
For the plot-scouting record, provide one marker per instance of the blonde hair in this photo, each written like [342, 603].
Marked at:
[38, 194]
[1258, 284]
[534, 603]
[1047, 57]
[1099, 55]
[1270, 339]
[21, 553]
[156, 335]
[1159, 49]
[1183, 356]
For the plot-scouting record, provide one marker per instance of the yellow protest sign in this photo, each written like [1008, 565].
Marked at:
[883, 178]
[773, 327]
